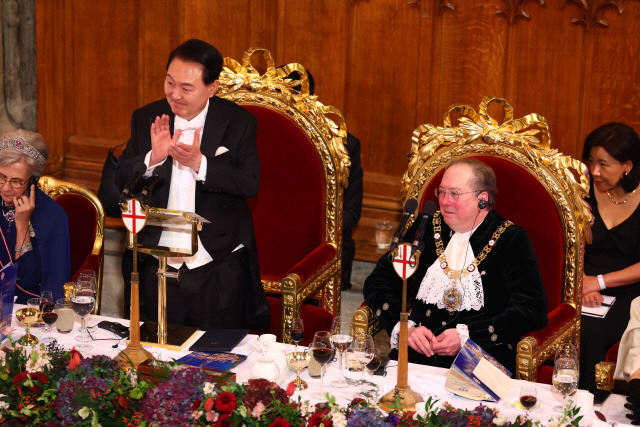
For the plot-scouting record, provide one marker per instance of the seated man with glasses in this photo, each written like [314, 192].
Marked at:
[477, 277]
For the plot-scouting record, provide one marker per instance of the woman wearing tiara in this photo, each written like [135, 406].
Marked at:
[33, 227]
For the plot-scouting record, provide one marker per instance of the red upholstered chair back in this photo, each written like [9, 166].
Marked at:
[288, 212]
[523, 200]
[297, 212]
[86, 227]
[83, 218]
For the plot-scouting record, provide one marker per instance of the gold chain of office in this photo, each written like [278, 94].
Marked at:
[457, 274]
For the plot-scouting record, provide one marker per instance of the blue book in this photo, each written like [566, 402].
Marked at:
[219, 361]
[8, 276]
[489, 381]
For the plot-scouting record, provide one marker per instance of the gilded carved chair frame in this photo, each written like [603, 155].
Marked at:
[55, 187]
[326, 129]
[524, 142]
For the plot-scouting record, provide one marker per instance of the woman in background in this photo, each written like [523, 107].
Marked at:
[612, 260]
[33, 227]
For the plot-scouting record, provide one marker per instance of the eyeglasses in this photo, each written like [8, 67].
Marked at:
[13, 182]
[454, 195]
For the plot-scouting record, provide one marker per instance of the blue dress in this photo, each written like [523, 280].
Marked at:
[47, 266]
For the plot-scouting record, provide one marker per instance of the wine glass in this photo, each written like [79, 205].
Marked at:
[565, 372]
[322, 353]
[46, 301]
[88, 276]
[83, 301]
[528, 397]
[297, 330]
[341, 339]
[49, 315]
[375, 362]
[299, 359]
[29, 316]
[363, 347]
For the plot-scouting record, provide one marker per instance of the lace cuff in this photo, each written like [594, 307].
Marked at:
[396, 332]
[463, 331]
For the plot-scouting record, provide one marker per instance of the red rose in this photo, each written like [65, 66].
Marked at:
[35, 376]
[208, 405]
[356, 401]
[222, 419]
[280, 422]
[226, 402]
[317, 420]
[196, 404]
[291, 388]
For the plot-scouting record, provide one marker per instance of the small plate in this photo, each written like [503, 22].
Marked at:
[517, 405]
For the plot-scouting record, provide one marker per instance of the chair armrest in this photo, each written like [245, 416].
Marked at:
[604, 375]
[558, 318]
[538, 346]
[364, 321]
[311, 264]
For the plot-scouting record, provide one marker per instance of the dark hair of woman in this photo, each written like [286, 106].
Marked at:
[623, 144]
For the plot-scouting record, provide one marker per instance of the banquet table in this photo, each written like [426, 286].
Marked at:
[425, 380]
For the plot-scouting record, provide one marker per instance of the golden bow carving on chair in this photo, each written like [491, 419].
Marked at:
[526, 135]
[235, 76]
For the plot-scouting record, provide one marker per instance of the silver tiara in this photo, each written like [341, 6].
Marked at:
[21, 144]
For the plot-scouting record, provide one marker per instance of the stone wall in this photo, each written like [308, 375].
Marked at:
[18, 68]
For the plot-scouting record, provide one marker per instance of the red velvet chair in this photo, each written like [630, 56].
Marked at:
[86, 227]
[297, 213]
[539, 189]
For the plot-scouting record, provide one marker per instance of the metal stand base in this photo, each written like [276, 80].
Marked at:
[178, 336]
[408, 399]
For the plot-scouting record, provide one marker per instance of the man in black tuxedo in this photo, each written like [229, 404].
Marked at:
[207, 148]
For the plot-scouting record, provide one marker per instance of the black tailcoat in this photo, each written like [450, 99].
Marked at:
[514, 297]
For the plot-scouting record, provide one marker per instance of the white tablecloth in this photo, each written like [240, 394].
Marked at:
[425, 380]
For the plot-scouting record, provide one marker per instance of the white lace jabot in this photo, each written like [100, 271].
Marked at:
[458, 255]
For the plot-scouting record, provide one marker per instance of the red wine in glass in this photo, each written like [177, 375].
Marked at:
[374, 364]
[49, 317]
[297, 334]
[322, 355]
[528, 401]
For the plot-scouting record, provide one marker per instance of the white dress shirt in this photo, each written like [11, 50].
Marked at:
[182, 194]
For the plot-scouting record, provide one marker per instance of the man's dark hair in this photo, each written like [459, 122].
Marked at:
[195, 50]
[623, 144]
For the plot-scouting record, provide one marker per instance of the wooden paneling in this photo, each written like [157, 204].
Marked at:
[388, 65]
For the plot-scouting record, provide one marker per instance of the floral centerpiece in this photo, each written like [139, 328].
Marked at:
[50, 386]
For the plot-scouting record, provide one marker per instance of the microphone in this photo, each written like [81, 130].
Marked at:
[409, 207]
[427, 211]
[158, 175]
[138, 170]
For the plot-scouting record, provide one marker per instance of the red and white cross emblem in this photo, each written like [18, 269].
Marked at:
[404, 265]
[134, 218]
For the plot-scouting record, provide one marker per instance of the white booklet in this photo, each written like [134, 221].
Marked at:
[599, 311]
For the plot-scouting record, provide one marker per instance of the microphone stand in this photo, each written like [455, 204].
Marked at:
[134, 353]
[402, 393]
